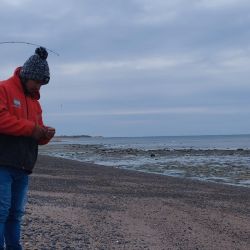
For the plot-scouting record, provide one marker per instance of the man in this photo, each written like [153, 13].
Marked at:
[21, 131]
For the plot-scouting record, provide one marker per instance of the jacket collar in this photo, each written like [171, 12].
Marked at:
[19, 85]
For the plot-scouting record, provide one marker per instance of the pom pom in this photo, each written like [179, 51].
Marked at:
[42, 52]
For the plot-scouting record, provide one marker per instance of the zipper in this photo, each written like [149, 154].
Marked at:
[27, 109]
[27, 116]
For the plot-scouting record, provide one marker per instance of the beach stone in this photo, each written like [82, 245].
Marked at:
[70, 209]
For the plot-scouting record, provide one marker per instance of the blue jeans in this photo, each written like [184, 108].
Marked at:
[13, 196]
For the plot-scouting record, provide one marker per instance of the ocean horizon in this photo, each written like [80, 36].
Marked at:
[240, 141]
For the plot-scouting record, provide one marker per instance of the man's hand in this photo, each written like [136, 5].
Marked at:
[38, 132]
[50, 132]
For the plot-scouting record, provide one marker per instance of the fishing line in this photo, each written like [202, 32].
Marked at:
[33, 44]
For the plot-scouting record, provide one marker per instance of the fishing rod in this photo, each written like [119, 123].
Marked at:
[33, 44]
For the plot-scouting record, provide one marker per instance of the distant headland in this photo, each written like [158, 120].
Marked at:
[77, 136]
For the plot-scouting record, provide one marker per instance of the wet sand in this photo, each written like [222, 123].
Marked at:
[75, 205]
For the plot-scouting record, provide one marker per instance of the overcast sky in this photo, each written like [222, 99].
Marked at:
[136, 67]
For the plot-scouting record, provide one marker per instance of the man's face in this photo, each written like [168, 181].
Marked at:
[33, 86]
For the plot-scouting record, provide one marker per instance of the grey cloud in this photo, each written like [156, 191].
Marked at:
[136, 55]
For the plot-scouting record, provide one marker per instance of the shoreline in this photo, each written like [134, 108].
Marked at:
[221, 166]
[75, 205]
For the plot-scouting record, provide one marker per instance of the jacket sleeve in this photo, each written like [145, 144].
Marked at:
[10, 124]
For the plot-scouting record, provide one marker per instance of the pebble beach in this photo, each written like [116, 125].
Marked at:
[76, 205]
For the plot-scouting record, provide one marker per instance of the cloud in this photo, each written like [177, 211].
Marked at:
[220, 3]
[16, 3]
[154, 63]
[135, 58]
[160, 111]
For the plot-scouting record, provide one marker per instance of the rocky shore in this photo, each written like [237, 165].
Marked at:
[217, 165]
[75, 205]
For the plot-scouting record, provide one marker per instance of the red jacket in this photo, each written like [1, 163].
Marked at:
[19, 114]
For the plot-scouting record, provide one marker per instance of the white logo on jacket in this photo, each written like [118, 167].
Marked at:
[17, 103]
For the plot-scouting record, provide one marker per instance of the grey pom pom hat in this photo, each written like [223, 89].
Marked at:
[36, 67]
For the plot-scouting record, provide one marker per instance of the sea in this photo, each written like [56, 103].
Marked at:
[214, 158]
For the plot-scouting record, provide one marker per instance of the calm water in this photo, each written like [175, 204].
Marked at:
[170, 142]
[224, 159]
